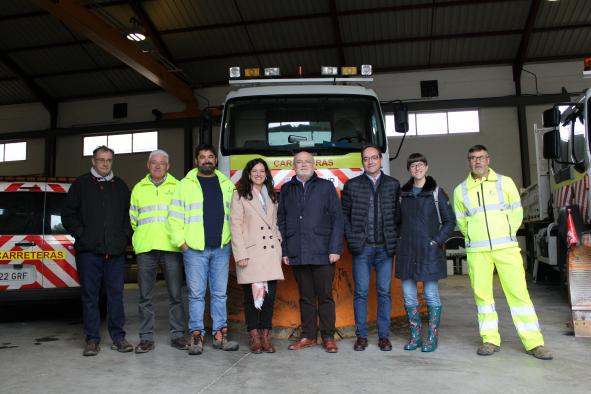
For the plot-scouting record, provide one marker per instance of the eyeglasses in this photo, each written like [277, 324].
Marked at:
[477, 158]
[371, 158]
[104, 161]
[417, 165]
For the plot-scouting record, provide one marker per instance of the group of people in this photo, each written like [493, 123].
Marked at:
[196, 223]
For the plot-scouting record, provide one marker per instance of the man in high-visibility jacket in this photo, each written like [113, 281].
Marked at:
[199, 219]
[148, 212]
[488, 212]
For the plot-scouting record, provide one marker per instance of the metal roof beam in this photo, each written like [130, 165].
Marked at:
[48, 102]
[524, 43]
[150, 29]
[79, 18]
[337, 31]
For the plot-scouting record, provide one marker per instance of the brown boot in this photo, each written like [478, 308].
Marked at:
[255, 342]
[266, 342]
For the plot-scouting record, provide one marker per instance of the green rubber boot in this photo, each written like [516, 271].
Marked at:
[430, 344]
[414, 321]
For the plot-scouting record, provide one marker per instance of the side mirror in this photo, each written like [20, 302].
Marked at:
[551, 144]
[400, 117]
[551, 117]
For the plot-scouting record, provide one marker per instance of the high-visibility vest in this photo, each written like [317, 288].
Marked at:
[185, 215]
[148, 213]
[488, 212]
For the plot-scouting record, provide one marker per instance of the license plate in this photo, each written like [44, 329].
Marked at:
[11, 276]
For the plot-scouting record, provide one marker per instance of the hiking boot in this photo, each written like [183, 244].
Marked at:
[122, 346]
[144, 346]
[487, 349]
[541, 352]
[221, 342]
[92, 348]
[179, 343]
[196, 344]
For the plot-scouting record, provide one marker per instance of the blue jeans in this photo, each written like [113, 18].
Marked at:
[430, 292]
[94, 270]
[378, 258]
[203, 266]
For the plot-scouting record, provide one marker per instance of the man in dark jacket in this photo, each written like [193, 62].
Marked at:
[371, 209]
[96, 213]
[310, 220]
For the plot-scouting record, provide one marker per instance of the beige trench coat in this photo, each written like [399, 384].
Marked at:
[255, 236]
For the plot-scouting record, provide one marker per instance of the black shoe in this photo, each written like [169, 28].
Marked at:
[360, 344]
[179, 343]
[144, 346]
[384, 344]
[122, 346]
[92, 348]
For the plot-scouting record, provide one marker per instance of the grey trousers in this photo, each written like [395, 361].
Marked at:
[173, 273]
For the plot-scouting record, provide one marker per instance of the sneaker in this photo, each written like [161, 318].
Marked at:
[221, 342]
[179, 343]
[122, 346]
[541, 352]
[144, 346]
[487, 349]
[92, 348]
[196, 345]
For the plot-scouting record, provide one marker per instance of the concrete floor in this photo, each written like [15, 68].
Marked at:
[40, 352]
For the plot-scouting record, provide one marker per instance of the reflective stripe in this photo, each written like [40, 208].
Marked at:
[227, 205]
[500, 194]
[533, 326]
[177, 215]
[493, 242]
[133, 207]
[149, 208]
[460, 215]
[488, 325]
[151, 220]
[132, 218]
[191, 219]
[486, 308]
[489, 208]
[465, 196]
[178, 203]
[227, 218]
[196, 205]
[522, 310]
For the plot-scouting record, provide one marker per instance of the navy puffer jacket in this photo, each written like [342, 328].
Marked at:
[418, 258]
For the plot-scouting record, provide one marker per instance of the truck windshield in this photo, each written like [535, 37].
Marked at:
[280, 125]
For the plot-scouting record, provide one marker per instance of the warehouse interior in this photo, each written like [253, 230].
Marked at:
[69, 73]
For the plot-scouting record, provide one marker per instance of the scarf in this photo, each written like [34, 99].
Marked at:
[101, 178]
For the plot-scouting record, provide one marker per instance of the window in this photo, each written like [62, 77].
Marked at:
[14, 151]
[122, 143]
[437, 123]
[21, 213]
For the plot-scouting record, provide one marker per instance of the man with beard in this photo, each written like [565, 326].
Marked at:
[199, 219]
[310, 220]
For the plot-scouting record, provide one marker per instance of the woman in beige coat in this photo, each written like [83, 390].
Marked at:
[256, 245]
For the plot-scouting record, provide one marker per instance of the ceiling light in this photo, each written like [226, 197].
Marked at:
[136, 33]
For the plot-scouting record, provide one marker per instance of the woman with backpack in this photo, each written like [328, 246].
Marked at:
[426, 222]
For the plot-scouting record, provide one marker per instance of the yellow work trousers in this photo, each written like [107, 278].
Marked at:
[509, 265]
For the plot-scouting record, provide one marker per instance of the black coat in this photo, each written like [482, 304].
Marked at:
[355, 199]
[97, 215]
[310, 221]
[417, 258]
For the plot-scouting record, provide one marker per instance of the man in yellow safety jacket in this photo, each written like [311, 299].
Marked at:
[488, 212]
[199, 219]
[148, 212]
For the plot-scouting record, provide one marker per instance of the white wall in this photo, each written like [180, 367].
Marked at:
[499, 130]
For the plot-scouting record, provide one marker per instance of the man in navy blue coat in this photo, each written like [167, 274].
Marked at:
[310, 219]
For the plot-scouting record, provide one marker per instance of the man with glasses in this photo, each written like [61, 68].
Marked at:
[371, 209]
[310, 220]
[488, 212]
[96, 213]
[148, 212]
